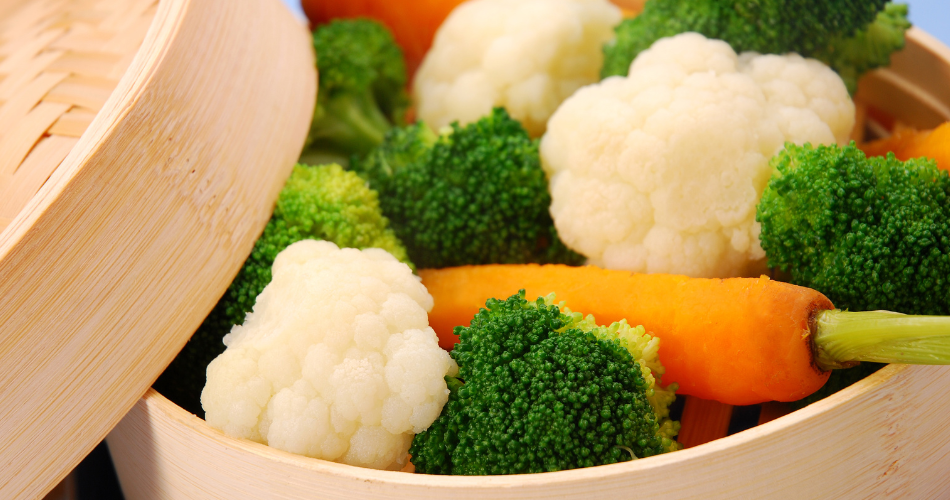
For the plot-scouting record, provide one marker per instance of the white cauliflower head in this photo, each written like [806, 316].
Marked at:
[661, 171]
[524, 55]
[337, 360]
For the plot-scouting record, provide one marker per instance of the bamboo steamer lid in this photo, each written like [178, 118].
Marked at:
[142, 146]
[885, 437]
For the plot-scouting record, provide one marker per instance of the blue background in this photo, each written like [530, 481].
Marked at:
[933, 16]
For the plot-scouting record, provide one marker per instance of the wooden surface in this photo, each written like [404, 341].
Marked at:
[887, 436]
[60, 60]
[883, 436]
[110, 266]
[916, 87]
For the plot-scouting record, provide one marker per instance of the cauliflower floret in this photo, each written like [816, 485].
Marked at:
[661, 171]
[337, 360]
[524, 55]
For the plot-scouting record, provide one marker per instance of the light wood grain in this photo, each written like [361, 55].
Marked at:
[887, 436]
[58, 57]
[915, 88]
[110, 266]
[884, 436]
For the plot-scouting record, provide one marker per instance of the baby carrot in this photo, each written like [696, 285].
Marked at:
[739, 341]
[703, 420]
[907, 144]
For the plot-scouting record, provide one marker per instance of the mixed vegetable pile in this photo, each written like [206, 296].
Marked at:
[420, 291]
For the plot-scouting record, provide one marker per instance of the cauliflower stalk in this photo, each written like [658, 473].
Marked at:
[524, 55]
[661, 171]
[336, 361]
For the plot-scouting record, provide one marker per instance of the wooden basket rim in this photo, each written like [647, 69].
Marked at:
[163, 408]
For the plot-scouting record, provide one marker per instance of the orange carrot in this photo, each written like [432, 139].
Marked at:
[907, 144]
[630, 8]
[740, 341]
[703, 420]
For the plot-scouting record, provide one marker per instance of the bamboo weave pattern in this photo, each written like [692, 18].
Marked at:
[59, 62]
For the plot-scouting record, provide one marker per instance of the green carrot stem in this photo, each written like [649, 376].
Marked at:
[843, 338]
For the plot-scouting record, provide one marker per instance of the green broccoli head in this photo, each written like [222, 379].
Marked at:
[362, 91]
[472, 195]
[659, 19]
[811, 28]
[869, 233]
[540, 389]
[324, 203]
[869, 48]
[402, 147]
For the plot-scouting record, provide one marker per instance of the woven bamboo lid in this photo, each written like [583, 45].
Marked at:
[59, 62]
[142, 146]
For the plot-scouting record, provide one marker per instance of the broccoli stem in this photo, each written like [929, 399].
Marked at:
[348, 124]
[843, 338]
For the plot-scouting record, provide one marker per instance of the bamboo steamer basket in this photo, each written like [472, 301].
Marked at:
[142, 146]
[884, 436]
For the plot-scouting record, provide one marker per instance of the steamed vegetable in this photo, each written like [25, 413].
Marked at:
[524, 55]
[361, 94]
[413, 22]
[736, 340]
[870, 47]
[837, 32]
[540, 388]
[870, 233]
[739, 341]
[323, 202]
[661, 171]
[336, 361]
[470, 195]
[907, 144]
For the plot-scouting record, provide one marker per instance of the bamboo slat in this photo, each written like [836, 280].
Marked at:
[57, 57]
[142, 146]
[887, 436]
[35, 169]
[914, 89]
[863, 442]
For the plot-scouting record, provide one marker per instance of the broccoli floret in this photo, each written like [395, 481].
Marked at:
[324, 203]
[471, 195]
[403, 146]
[362, 90]
[540, 389]
[869, 233]
[812, 28]
[869, 48]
